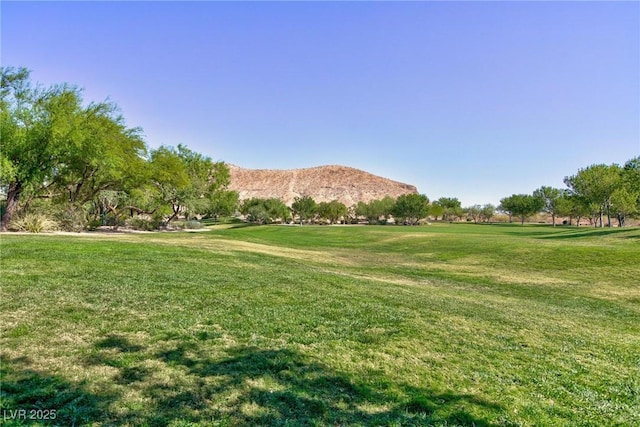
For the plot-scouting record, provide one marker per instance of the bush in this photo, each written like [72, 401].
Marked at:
[188, 225]
[72, 219]
[94, 224]
[142, 224]
[193, 225]
[34, 223]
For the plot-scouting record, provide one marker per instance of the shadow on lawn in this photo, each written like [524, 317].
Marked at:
[23, 388]
[248, 386]
[576, 232]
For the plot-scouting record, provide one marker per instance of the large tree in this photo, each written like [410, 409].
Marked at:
[435, 210]
[376, 209]
[222, 203]
[104, 155]
[596, 184]
[521, 205]
[451, 208]
[551, 199]
[474, 212]
[332, 211]
[625, 200]
[38, 128]
[623, 203]
[305, 207]
[487, 212]
[411, 208]
[264, 211]
[55, 147]
[185, 180]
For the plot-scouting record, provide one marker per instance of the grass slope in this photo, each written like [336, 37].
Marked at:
[440, 325]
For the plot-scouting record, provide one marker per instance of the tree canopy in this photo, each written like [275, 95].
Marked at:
[411, 208]
[521, 205]
[305, 207]
[82, 157]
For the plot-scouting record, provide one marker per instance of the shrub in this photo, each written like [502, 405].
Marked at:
[94, 224]
[143, 224]
[34, 223]
[193, 225]
[72, 219]
[188, 225]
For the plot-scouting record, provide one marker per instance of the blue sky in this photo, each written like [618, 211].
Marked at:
[475, 100]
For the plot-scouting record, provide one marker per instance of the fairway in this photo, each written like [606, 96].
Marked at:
[445, 325]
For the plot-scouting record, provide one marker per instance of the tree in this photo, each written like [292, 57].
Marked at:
[631, 175]
[487, 212]
[222, 203]
[376, 209]
[383, 208]
[505, 206]
[623, 198]
[583, 208]
[474, 212]
[185, 180]
[551, 199]
[304, 207]
[564, 206]
[521, 205]
[171, 180]
[254, 210]
[332, 211]
[411, 207]
[36, 125]
[596, 184]
[116, 203]
[277, 209]
[264, 210]
[436, 210]
[54, 147]
[452, 208]
[105, 157]
[624, 202]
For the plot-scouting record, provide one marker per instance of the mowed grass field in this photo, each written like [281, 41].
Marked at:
[448, 324]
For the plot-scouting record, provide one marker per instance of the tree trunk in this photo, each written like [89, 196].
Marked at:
[116, 214]
[13, 196]
[176, 211]
[553, 219]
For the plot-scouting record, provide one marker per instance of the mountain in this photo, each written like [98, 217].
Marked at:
[322, 183]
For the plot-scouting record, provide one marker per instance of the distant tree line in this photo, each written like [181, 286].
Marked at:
[595, 192]
[410, 208]
[79, 166]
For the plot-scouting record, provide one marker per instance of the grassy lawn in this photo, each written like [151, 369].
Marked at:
[449, 324]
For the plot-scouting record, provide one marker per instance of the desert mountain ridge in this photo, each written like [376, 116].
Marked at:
[323, 183]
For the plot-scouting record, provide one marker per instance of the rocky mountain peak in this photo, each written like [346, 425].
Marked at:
[323, 183]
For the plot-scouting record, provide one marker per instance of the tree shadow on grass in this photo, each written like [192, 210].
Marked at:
[65, 403]
[583, 232]
[245, 386]
[275, 387]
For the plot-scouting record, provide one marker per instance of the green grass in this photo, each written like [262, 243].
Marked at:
[449, 324]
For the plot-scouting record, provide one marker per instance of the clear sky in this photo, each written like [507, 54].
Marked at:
[475, 100]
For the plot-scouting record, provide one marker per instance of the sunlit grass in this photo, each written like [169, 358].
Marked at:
[284, 325]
